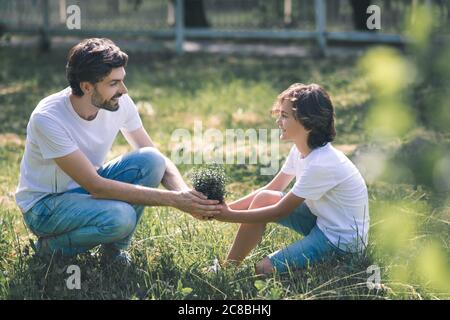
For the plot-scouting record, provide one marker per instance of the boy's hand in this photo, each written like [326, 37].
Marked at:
[225, 211]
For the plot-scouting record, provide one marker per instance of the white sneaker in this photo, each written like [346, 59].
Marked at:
[214, 268]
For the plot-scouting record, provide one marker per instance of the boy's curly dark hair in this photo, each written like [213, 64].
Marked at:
[313, 108]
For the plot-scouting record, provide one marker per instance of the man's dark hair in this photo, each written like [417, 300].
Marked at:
[312, 107]
[92, 60]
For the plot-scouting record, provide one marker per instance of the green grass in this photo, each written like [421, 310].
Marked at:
[170, 248]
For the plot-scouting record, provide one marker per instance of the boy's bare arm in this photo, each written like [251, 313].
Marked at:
[261, 215]
[278, 183]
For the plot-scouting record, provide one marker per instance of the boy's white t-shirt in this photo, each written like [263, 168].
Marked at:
[55, 130]
[335, 192]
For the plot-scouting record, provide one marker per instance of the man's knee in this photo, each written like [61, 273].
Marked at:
[121, 220]
[155, 163]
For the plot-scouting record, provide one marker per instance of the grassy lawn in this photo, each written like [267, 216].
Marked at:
[170, 248]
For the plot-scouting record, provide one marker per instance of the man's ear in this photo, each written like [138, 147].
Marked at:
[86, 87]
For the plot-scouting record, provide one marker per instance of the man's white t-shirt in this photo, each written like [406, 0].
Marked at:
[335, 192]
[55, 130]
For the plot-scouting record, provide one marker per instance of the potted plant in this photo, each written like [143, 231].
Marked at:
[210, 180]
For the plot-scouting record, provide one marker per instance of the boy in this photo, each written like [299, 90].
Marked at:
[328, 203]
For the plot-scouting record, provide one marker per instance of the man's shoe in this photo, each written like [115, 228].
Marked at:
[41, 248]
[113, 256]
[43, 253]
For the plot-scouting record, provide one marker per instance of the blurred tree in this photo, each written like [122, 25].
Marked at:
[411, 92]
[430, 93]
[408, 109]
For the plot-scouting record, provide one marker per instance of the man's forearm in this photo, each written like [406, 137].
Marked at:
[135, 194]
[172, 178]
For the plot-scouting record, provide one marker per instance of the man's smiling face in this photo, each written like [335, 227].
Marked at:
[107, 92]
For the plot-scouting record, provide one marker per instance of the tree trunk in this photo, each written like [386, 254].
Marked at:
[287, 13]
[62, 11]
[194, 14]
[360, 15]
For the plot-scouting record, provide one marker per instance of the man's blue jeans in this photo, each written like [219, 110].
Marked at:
[74, 222]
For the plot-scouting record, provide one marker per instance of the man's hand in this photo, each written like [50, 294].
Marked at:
[197, 204]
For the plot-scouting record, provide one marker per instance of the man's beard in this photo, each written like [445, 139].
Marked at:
[110, 105]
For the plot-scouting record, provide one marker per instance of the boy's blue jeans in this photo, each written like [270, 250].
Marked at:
[314, 247]
[74, 222]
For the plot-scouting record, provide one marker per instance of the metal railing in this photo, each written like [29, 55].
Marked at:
[318, 20]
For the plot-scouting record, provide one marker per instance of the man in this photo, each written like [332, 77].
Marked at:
[69, 198]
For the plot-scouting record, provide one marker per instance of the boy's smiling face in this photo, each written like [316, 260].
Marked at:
[291, 129]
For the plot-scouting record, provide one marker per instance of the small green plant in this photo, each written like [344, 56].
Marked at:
[210, 180]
